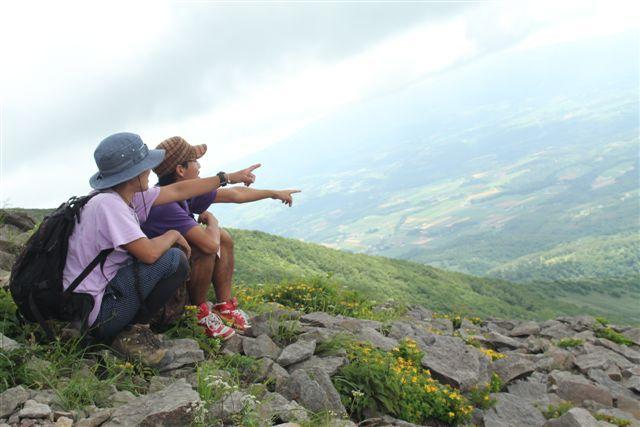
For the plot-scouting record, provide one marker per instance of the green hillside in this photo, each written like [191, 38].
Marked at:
[265, 258]
[599, 258]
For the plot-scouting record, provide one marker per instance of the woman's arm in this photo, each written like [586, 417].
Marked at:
[150, 250]
[194, 187]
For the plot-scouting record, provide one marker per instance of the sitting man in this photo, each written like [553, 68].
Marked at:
[212, 258]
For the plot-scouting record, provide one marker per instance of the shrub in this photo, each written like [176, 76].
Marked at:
[395, 383]
[481, 396]
[557, 411]
[620, 422]
[569, 342]
[611, 335]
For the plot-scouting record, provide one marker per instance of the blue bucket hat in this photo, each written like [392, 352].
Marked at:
[120, 157]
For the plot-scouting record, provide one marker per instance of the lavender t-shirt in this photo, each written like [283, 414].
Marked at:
[177, 215]
[106, 221]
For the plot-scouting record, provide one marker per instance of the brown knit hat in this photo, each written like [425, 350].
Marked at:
[177, 151]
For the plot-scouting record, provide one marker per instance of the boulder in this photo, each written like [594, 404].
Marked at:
[318, 334]
[311, 391]
[319, 318]
[234, 403]
[531, 391]
[633, 384]
[498, 341]
[512, 368]
[574, 417]
[623, 350]
[376, 339]
[633, 334]
[600, 358]
[625, 399]
[11, 399]
[452, 361]
[296, 352]
[33, 409]
[96, 419]
[525, 329]
[21, 220]
[557, 330]
[275, 405]
[180, 352]
[511, 410]
[232, 345]
[330, 364]
[577, 389]
[262, 346]
[173, 405]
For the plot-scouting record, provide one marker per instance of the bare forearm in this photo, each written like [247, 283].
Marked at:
[246, 195]
[185, 190]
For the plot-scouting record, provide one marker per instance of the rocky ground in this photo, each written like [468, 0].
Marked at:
[570, 371]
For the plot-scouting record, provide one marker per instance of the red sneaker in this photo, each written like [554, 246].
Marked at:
[213, 325]
[230, 314]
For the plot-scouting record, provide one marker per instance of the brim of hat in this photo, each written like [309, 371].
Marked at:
[199, 150]
[153, 159]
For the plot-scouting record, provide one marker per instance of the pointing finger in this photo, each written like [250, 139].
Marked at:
[254, 167]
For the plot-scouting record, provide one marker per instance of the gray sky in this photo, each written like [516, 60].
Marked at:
[237, 76]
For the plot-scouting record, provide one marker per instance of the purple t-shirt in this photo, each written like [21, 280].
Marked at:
[176, 215]
[106, 221]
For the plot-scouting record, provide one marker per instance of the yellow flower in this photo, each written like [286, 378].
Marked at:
[451, 414]
[414, 379]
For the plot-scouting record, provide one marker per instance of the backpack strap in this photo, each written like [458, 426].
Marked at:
[99, 259]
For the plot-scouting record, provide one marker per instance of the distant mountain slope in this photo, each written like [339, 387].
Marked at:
[589, 258]
[472, 169]
[265, 258]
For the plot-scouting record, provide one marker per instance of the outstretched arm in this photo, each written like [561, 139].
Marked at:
[184, 190]
[245, 195]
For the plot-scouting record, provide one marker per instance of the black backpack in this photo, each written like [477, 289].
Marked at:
[36, 276]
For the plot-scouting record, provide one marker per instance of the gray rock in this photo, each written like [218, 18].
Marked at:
[231, 405]
[625, 399]
[6, 260]
[557, 331]
[297, 352]
[633, 384]
[376, 339]
[7, 344]
[614, 373]
[587, 336]
[579, 323]
[262, 346]
[157, 383]
[525, 329]
[354, 325]
[120, 398]
[600, 358]
[633, 334]
[556, 359]
[11, 399]
[21, 220]
[510, 411]
[4, 278]
[623, 350]
[333, 397]
[319, 319]
[452, 361]
[275, 405]
[96, 419]
[535, 344]
[174, 405]
[33, 409]
[577, 389]
[232, 345]
[277, 374]
[512, 368]
[330, 364]
[181, 352]
[575, 417]
[308, 391]
[319, 335]
[531, 391]
[498, 341]
[443, 325]
[419, 313]
[617, 413]
[64, 422]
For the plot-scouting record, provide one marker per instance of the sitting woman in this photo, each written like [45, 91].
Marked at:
[127, 292]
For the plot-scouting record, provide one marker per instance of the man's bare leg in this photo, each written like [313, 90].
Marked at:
[223, 269]
[202, 267]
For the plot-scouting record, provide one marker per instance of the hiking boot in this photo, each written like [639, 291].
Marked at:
[231, 315]
[140, 342]
[213, 326]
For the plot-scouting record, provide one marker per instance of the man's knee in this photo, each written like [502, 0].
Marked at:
[225, 239]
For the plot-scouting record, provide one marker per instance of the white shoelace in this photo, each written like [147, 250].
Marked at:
[212, 321]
